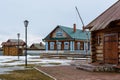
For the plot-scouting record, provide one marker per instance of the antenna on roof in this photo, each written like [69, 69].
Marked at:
[80, 17]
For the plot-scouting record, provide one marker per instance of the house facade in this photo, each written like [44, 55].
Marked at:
[105, 36]
[12, 47]
[65, 38]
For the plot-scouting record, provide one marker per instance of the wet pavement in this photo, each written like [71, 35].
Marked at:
[71, 73]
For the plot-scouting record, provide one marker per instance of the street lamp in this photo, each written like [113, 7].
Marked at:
[26, 24]
[18, 34]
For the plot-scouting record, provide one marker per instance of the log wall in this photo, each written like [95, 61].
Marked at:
[97, 46]
[12, 51]
[119, 46]
[98, 49]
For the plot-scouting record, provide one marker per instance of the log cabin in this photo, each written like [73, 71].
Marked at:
[105, 36]
[68, 39]
[12, 47]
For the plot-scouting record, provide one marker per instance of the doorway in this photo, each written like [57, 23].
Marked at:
[111, 48]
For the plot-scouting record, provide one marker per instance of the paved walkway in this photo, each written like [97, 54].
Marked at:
[71, 73]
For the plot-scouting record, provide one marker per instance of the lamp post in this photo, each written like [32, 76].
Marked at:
[18, 34]
[26, 24]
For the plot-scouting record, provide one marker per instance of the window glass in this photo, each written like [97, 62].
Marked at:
[59, 45]
[66, 45]
[52, 45]
[59, 33]
[81, 46]
[78, 45]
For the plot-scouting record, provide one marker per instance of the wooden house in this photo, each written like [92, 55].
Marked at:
[66, 38]
[12, 47]
[105, 36]
[37, 46]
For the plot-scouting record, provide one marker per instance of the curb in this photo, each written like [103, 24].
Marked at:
[45, 73]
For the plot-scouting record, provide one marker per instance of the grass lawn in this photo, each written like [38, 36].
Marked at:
[28, 74]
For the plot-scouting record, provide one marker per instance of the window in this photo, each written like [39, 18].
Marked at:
[52, 45]
[88, 45]
[66, 45]
[82, 46]
[59, 33]
[85, 46]
[78, 45]
[59, 45]
[98, 39]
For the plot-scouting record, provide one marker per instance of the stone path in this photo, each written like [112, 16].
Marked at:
[71, 73]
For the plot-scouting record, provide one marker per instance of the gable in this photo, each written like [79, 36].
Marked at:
[59, 33]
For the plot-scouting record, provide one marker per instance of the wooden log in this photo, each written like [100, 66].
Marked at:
[101, 44]
[119, 56]
[99, 55]
[119, 46]
[99, 47]
[119, 59]
[119, 38]
[99, 51]
[99, 58]
[93, 52]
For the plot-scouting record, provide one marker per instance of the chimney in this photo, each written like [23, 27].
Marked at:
[74, 27]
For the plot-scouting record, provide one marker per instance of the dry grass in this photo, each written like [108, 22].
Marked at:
[11, 61]
[29, 74]
[54, 63]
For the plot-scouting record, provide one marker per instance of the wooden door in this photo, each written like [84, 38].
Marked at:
[111, 48]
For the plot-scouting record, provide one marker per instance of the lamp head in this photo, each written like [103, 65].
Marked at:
[26, 23]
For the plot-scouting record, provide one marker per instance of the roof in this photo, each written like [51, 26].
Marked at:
[38, 46]
[13, 42]
[111, 14]
[79, 34]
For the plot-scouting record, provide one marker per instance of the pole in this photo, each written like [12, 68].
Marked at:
[18, 45]
[79, 16]
[83, 28]
[26, 46]
[26, 24]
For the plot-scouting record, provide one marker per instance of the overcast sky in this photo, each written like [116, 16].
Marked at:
[45, 15]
